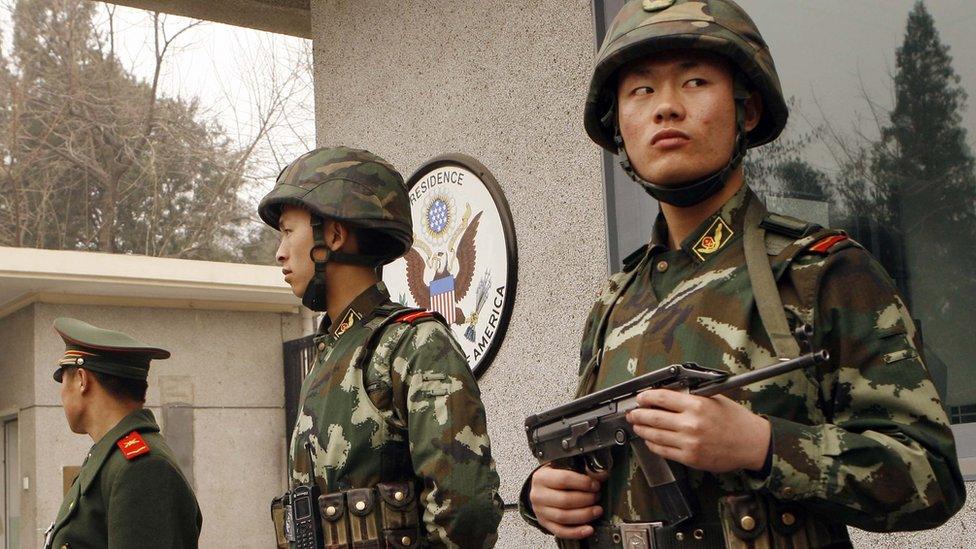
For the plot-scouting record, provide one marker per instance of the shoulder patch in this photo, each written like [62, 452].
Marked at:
[133, 445]
[824, 245]
[415, 316]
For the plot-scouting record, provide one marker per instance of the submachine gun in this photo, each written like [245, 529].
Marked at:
[579, 434]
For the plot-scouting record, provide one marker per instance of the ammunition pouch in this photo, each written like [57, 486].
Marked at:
[335, 528]
[386, 516]
[400, 514]
[280, 515]
[751, 521]
[364, 520]
[743, 517]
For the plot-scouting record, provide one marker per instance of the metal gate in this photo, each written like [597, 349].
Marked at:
[299, 355]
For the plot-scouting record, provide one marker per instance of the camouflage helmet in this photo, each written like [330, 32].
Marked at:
[350, 185]
[645, 27]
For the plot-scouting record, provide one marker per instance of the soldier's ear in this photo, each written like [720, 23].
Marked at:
[336, 234]
[84, 379]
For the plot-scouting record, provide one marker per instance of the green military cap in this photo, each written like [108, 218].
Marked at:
[103, 351]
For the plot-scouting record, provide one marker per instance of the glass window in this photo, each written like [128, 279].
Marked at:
[880, 143]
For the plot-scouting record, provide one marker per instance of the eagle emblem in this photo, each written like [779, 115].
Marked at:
[441, 264]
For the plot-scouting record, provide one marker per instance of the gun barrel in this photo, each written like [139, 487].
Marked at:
[773, 370]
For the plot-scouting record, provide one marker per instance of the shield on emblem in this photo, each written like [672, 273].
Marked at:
[442, 297]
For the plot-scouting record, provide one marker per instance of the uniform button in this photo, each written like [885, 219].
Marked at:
[788, 519]
[680, 536]
[330, 510]
[699, 534]
[321, 345]
[748, 523]
[662, 266]
[405, 540]
[788, 491]
[360, 505]
[398, 496]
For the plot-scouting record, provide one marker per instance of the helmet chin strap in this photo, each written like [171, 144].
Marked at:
[321, 255]
[699, 190]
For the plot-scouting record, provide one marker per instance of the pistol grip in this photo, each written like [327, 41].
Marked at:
[574, 463]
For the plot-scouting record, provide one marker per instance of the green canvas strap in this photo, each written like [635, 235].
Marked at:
[365, 358]
[764, 288]
[373, 338]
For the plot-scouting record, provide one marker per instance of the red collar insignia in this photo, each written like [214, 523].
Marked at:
[348, 321]
[714, 239]
[132, 445]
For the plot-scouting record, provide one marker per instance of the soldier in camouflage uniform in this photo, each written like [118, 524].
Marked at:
[390, 427]
[680, 90]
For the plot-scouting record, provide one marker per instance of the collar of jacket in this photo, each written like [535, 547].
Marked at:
[731, 216]
[141, 420]
[362, 308]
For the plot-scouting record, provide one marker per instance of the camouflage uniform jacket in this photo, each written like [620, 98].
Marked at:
[140, 501]
[862, 441]
[414, 413]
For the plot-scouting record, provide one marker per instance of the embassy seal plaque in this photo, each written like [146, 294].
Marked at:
[464, 260]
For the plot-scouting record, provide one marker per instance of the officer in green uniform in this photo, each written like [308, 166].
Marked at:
[130, 492]
[391, 430]
[680, 90]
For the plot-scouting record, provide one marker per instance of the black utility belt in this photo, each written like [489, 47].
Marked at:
[654, 535]
[385, 516]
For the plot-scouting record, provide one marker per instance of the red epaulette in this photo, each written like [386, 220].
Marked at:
[414, 316]
[133, 445]
[824, 245]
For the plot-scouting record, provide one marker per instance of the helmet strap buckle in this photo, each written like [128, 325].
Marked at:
[320, 254]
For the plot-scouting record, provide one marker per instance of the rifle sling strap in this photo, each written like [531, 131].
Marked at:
[764, 289]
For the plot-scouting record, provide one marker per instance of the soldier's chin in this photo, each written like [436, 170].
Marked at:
[674, 170]
[298, 289]
[74, 426]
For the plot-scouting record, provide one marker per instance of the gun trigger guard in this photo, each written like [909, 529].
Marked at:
[595, 464]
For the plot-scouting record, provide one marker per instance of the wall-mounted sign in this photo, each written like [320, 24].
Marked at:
[464, 261]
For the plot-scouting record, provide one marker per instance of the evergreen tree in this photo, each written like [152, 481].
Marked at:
[926, 183]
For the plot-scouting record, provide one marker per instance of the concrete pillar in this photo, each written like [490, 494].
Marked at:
[503, 82]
